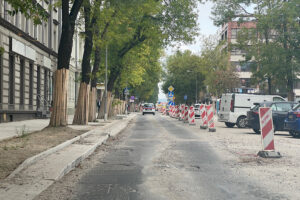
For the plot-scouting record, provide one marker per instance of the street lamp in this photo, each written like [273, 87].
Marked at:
[196, 96]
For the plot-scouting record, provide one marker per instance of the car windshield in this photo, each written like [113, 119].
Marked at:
[148, 105]
[284, 106]
[296, 107]
[255, 107]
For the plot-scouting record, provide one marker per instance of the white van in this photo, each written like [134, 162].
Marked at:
[234, 107]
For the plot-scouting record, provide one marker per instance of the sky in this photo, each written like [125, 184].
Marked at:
[206, 28]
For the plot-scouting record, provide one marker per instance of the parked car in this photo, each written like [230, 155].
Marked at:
[292, 121]
[148, 108]
[234, 107]
[197, 110]
[279, 113]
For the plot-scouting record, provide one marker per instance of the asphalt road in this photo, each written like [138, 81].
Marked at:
[162, 159]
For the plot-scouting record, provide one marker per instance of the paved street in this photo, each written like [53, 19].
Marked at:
[160, 158]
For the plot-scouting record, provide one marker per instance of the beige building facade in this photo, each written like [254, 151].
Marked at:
[28, 61]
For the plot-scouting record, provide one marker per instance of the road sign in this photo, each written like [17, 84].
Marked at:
[171, 103]
[170, 94]
[126, 91]
[185, 97]
[170, 88]
[132, 98]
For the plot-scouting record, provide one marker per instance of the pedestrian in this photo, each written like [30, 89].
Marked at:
[98, 104]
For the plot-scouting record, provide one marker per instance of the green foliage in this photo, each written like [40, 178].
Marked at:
[214, 73]
[220, 75]
[30, 9]
[182, 70]
[274, 44]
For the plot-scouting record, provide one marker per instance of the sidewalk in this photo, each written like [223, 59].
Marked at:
[12, 129]
[37, 173]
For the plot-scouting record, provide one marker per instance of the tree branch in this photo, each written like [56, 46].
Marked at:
[75, 9]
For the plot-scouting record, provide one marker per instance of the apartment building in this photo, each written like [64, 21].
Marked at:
[229, 33]
[28, 60]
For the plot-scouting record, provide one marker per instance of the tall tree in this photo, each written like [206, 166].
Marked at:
[275, 47]
[82, 107]
[60, 96]
[158, 21]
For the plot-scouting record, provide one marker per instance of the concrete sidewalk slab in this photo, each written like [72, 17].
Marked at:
[31, 181]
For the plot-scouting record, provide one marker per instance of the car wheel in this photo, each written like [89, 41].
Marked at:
[143, 113]
[241, 122]
[257, 131]
[153, 113]
[294, 134]
[229, 125]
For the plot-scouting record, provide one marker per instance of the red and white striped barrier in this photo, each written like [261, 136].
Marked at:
[186, 114]
[203, 122]
[210, 118]
[192, 116]
[267, 134]
[182, 112]
[164, 111]
[173, 111]
[177, 112]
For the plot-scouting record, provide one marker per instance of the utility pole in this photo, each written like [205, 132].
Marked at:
[196, 87]
[105, 94]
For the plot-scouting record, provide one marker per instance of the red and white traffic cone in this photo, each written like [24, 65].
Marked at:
[203, 123]
[210, 118]
[192, 116]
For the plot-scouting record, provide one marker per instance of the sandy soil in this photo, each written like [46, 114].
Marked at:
[14, 151]
[238, 149]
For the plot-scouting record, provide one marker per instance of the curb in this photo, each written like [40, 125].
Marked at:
[32, 160]
[101, 141]
[74, 163]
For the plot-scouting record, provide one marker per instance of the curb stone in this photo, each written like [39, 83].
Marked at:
[34, 159]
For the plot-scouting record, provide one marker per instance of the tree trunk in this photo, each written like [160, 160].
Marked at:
[82, 110]
[92, 104]
[60, 99]
[269, 85]
[81, 113]
[110, 106]
[60, 95]
[101, 112]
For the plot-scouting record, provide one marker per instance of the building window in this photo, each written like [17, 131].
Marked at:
[22, 81]
[11, 80]
[46, 83]
[234, 33]
[1, 79]
[5, 9]
[38, 88]
[54, 39]
[31, 84]
[35, 32]
[17, 20]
